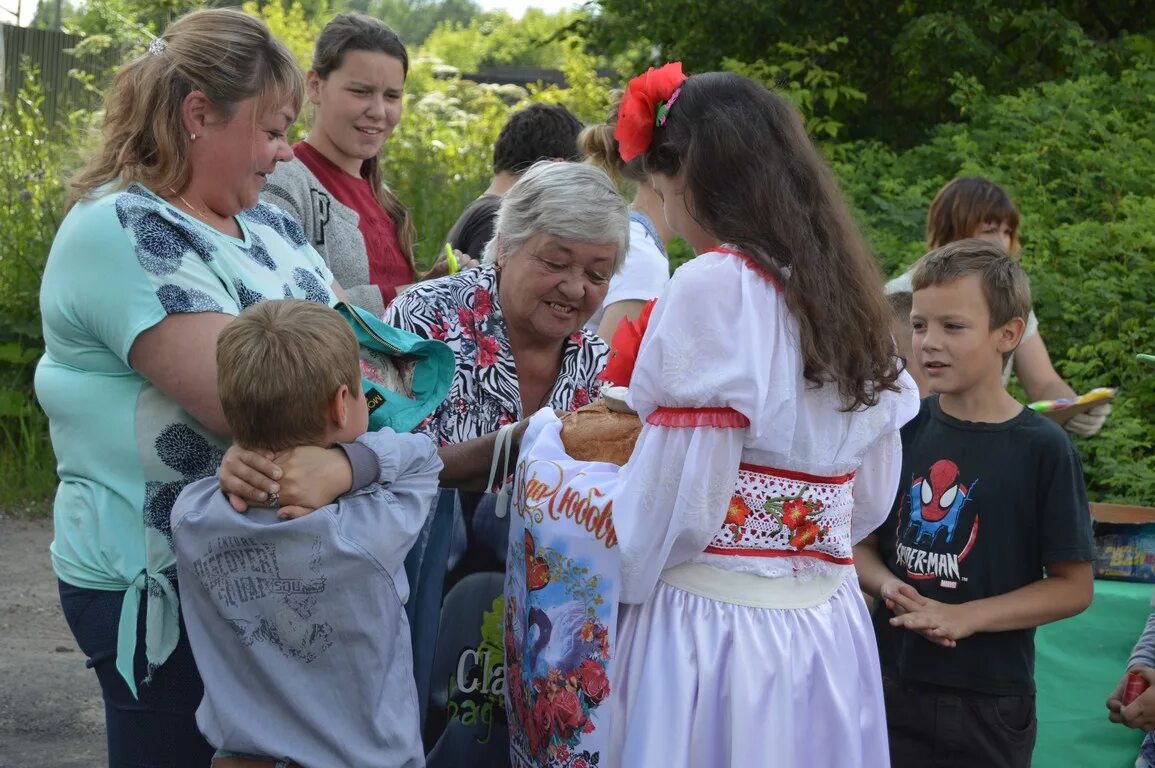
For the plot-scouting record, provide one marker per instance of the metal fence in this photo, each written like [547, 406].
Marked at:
[50, 53]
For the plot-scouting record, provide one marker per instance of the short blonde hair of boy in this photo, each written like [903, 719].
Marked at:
[279, 364]
[1006, 287]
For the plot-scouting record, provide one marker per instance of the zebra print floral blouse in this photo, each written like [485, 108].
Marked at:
[463, 311]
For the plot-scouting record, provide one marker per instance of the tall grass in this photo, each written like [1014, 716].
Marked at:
[26, 464]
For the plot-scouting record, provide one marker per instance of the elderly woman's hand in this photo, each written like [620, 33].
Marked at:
[441, 268]
[298, 480]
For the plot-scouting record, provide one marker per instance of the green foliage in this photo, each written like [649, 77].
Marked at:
[1079, 160]
[898, 54]
[46, 10]
[414, 20]
[109, 28]
[26, 463]
[438, 160]
[586, 94]
[495, 40]
[124, 24]
[32, 188]
[293, 25]
[679, 252]
[800, 76]
[31, 193]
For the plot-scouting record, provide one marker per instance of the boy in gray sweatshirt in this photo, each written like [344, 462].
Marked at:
[297, 622]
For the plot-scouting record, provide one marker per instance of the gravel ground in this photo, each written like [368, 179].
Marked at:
[51, 714]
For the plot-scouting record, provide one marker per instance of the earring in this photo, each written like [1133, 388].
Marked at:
[193, 137]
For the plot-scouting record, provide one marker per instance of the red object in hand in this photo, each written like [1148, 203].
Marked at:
[1136, 684]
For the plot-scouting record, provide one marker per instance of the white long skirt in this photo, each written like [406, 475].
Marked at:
[702, 684]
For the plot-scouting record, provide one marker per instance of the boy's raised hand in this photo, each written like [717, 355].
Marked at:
[249, 478]
[941, 623]
[299, 479]
[311, 477]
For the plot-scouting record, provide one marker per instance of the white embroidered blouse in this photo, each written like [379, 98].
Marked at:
[722, 339]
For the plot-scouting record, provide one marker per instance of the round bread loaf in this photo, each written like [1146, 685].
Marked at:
[595, 433]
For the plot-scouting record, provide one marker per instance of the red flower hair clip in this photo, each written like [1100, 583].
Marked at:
[646, 103]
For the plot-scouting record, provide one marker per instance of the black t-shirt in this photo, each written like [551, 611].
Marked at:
[981, 509]
[474, 227]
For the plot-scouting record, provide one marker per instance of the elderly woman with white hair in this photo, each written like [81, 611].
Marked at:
[515, 325]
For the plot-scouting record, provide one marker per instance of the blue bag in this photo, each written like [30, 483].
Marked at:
[405, 376]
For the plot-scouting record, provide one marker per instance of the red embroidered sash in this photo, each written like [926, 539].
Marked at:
[779, 513]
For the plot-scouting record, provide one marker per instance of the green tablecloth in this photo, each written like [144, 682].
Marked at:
[1078, 661]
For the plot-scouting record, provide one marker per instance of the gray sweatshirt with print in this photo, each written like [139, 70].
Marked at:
[298, 627]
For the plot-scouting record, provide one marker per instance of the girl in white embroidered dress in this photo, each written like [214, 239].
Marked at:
[772, 399]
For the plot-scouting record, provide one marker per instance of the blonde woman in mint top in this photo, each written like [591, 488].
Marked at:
[334, 185]
[163, 244]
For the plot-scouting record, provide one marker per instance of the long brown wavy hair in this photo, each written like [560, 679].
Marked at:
[224, 53]
[356, 32]
[756, 181]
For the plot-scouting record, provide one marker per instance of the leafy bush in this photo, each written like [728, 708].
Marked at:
[496, 40]
[799, 75]
[440, 157]
[901, 55]
[291, 24]
[1079, 160]
[32, 188]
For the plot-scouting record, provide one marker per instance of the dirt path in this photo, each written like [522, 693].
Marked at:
[51, 714]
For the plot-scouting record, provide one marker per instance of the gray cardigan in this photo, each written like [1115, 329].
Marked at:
[331, 228]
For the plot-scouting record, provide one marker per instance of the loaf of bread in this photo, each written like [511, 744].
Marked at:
[595, 433]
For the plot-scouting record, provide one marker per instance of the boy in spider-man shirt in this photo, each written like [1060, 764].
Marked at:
[991, 498]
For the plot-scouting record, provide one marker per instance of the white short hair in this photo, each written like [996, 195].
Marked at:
[573, 201]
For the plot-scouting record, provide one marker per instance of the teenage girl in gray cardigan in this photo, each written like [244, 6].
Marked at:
[333, 186]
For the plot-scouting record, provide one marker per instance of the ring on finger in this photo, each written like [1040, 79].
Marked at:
[274, 500]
